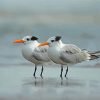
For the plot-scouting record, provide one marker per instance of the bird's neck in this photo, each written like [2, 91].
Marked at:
[36, 43]
[28, 48]
[58, 44]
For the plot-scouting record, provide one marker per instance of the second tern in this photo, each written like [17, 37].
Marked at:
[66, 54]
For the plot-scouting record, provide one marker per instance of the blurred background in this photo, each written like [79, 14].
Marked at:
[77, 21]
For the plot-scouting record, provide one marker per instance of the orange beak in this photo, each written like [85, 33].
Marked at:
[43, 44]
[19, 41]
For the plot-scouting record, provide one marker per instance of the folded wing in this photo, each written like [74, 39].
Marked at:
[40, 54]
[72, 54]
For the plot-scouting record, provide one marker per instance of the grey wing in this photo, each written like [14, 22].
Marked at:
[72, 54]
[40, 54]
[70, 48]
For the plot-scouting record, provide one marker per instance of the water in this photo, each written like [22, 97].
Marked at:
[16, 82]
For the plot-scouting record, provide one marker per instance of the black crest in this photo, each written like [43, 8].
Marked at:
[57, 38]
[34, 38]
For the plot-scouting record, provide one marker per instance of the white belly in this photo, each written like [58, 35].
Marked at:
[27, 54]
[54, 55]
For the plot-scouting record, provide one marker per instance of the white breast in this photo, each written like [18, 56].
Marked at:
[54, 55]
[27, 53]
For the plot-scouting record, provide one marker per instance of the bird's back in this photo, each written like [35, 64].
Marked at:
[72, 54]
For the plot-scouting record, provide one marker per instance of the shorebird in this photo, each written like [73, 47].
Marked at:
[33, 53]
[66, 54]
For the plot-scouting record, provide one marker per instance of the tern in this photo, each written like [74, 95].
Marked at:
[67, 54]
[33, 53]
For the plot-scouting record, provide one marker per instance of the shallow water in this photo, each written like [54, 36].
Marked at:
[16, 82]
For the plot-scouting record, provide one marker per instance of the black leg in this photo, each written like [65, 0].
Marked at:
[41, 72]
[61, 71]
[35, 71]
[66, 71]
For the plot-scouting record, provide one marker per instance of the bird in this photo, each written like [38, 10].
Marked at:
[67, 54]
[33, 53]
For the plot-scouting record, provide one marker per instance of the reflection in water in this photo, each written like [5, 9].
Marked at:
[54, 82]
[23, 87]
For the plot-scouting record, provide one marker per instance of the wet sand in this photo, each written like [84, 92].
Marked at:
[17, 83]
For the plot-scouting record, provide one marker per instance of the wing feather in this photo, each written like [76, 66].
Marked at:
[40, 54]
[72, 54]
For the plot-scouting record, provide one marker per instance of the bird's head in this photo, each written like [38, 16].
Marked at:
[51, 41]
[26, 39]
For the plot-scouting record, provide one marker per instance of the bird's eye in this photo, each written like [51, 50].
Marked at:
[28, 39]
[52, 40]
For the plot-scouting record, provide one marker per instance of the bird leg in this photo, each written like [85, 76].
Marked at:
[66, 71]
[61, 71]
[35, 71]
[41, 72]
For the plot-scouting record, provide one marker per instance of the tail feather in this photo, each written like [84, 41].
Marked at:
[95, 55]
